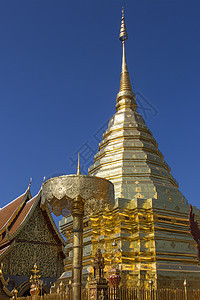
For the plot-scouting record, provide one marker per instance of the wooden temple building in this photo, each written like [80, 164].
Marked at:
[28, 235]
[150, 219]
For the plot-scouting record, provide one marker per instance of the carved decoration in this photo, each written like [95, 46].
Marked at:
[101, 295]
[194, 230]
[5, 263]
[37, 245]
[22, 259]
[36, 229]
[60, 192]
[3, 287]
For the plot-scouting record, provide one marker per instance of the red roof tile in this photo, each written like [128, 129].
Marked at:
[15, 224]
[7, 211]
[18, 219]
[22, 216]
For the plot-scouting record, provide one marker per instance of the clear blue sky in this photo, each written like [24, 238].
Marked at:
[59, 75]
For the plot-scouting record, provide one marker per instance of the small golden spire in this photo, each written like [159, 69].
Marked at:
[43, 182]
[125, 97]
[78, 167]
[29, 183]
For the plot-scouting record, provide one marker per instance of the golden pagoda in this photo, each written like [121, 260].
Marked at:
[150, 219]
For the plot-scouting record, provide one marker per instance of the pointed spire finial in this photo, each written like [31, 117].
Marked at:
[78, 167]
[44, 178]
[123, 36]
[125, 97]
[30, 183]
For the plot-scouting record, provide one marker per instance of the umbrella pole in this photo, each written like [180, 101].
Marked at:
[77, 213]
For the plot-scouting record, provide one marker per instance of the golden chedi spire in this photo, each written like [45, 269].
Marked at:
[125, 97]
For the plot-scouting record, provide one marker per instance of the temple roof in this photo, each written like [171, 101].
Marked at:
[8, 211]
[15, 215]
[22, 216]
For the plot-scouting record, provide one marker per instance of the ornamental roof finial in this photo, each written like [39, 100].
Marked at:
[125, 97]
[29, 184]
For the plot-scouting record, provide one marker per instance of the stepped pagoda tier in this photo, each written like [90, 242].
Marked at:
[150, 219]
[129, 155]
